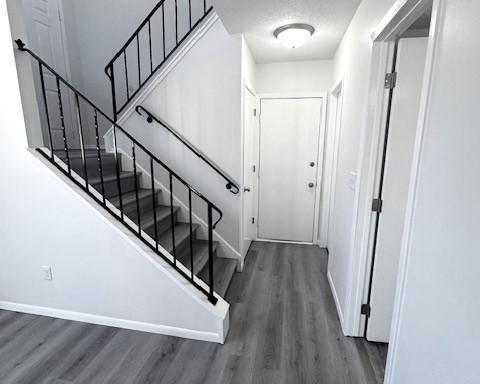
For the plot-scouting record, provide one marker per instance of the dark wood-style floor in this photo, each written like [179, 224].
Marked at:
[284, 329]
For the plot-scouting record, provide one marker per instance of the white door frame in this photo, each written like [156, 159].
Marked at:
[332, 138]
[246, 87]
[397, 20]
[320, 161]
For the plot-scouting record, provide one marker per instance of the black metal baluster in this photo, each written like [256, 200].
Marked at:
[172, 221]
[190, 13]
[150, 44]
[210, 252]
[176, 23]
[163, 31]
[117, 166]
[191, 230]
[126, 72]
[138, 61]
[99, 156]
[154, 203]
[136, 187]
[114, 97]
[82, 140]
[204, 6]
[47, 115]
[62, 121]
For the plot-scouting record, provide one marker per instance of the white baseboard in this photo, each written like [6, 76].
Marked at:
[336, 299]
[112, 322]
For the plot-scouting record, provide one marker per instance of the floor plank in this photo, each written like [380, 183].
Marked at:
[284, 329]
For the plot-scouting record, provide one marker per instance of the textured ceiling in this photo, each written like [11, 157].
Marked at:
[257, 19]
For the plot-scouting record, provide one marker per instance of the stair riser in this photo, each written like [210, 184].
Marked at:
[162, 225]
[111, 187]
[108, 166]
[144, 204]
[184, 244]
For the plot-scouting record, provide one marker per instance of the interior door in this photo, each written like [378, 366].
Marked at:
[289, 141]
[46, 37]
[250, 145]
[401, 137]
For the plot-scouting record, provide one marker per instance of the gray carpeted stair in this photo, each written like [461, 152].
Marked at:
[185, 237]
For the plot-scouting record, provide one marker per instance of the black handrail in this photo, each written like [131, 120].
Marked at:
[136, 37]
[231, 185]
[135, 146]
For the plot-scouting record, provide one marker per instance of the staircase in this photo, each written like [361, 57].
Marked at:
[141, 200]
[156, 219]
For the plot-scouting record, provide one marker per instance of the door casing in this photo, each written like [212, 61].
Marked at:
[321, 146]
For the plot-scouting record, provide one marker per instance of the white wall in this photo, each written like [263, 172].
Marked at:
[96, 30]
[294, 77]
[201, 99]
[352, 64]
[100, 273]
[438, 335]
[249, 67]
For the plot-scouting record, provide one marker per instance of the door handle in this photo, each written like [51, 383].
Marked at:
[246, 189]
[312, 164]
[311, 185]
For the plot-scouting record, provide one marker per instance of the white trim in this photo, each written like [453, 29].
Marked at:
[336, 299]
[320, 149]
[167, 67]
[284, 241]
[112, 322]
[328, 192]
[436, 31]
[243, 250]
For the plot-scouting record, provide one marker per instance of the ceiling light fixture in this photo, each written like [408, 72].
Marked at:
[294, 35]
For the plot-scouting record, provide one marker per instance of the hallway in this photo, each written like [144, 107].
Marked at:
[284, 330]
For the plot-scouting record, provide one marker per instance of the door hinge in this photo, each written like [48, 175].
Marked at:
[390, 80]
[254, 111]
[253, 220]
[365, 310]
[377, 205]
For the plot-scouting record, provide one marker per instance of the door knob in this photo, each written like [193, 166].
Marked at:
[245, 189]
[312, 164]
[311, 185]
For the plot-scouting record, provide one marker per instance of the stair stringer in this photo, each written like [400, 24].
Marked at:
[159, 300]
[224, 249]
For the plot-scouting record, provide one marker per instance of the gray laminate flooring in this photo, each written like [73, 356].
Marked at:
[284, 329]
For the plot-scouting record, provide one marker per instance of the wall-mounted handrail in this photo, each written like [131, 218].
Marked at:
[231, 185]
[135, 146]
[138, 37]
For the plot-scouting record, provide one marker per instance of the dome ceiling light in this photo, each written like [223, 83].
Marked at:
[294, 35]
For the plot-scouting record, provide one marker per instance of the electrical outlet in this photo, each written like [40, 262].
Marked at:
[47, 272]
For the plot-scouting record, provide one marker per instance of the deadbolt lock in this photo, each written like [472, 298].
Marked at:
[311, 185]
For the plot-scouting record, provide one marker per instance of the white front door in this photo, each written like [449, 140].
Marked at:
[401, 137]
[250, 145]
[289, 144]
[46, 37]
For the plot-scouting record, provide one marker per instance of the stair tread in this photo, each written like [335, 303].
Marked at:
[130, 197]
[76, 153]
[200, 255]
[182, 231]
[112, 177]
[162, 211]
[223, 271]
